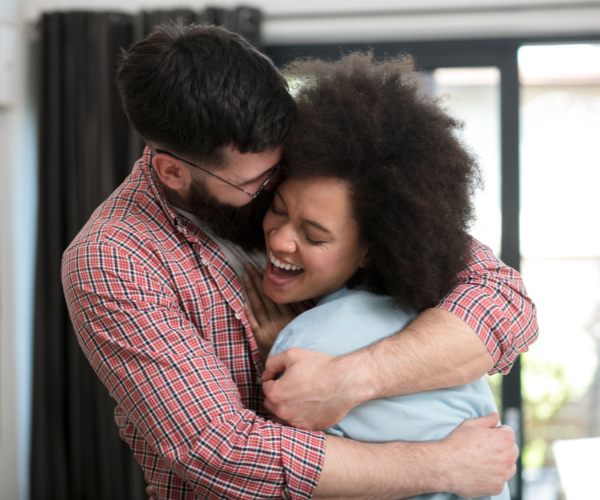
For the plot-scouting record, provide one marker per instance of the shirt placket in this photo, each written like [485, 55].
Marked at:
[227, 291]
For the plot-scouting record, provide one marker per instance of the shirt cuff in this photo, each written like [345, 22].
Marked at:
[303, 455]
[481, 314]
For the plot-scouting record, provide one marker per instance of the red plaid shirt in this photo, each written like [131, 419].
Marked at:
[159, 313]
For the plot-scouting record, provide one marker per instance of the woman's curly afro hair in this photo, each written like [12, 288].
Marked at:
[369, 123]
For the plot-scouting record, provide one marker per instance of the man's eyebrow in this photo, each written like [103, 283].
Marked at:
[318, 226]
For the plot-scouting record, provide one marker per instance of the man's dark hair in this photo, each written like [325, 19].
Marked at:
[193, 89]
[370, 124]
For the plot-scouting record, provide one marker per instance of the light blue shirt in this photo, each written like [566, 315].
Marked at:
[347, 320]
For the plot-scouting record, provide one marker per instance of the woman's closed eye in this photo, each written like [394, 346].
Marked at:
[277, 212]
[280, 212]
[313, 241]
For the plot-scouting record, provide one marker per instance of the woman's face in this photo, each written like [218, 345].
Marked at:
[312, 240]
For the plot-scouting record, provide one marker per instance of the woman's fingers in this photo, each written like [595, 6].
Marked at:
[251, 319]
[257, 279]
[255, 301]
[264, 308]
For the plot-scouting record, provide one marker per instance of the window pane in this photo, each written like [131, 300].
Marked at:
[473, 95]
[560, 246]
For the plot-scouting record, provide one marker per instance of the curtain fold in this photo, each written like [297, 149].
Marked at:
[86, 149]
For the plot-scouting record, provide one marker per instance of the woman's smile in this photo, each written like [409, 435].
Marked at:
[281, 273]
[312, 240]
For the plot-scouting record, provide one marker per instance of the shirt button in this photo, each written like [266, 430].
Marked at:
[237, 316]
[179, 228]
[204, 263]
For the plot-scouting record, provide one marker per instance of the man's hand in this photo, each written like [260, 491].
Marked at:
[266, 318]
[435, 351]
[316, 390]
[477, 458]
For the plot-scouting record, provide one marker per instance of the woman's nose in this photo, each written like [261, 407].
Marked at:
[281, 239]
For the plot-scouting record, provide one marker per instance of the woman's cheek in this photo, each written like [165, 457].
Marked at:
[322, 265]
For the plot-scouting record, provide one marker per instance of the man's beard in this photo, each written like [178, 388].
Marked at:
[239, 225]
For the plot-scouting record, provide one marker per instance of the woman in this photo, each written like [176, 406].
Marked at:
[370, 224]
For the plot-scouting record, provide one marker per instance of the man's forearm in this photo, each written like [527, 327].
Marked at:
[475, 459]
[377, 471]
[435, 351]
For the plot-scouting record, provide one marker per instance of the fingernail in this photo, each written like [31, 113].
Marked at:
[248, 266]
[246, 277]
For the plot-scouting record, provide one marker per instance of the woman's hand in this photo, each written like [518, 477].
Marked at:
[266, 318]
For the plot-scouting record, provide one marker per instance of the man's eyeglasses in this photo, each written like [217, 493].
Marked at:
[273, 170]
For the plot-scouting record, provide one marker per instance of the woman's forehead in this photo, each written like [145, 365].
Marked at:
[322, 199]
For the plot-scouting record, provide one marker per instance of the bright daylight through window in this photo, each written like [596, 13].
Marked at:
[560, 247]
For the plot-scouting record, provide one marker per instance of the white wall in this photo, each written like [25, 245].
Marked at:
[17, 249]
[8, 415]
[377, 20]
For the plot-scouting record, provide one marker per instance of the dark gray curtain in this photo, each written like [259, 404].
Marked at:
[87, 148]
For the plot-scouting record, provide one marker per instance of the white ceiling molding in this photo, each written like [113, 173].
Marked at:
[481, 21]
[342, 21]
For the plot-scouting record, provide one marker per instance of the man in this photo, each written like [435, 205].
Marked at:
[152, 285]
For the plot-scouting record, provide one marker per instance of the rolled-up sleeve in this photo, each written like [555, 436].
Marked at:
[491, 298]
[169, 383]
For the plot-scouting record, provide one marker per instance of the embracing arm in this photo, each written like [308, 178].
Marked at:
[475, 460]
[436, 350]
[481, 326]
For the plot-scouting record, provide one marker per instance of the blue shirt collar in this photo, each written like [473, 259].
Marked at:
[342, 292]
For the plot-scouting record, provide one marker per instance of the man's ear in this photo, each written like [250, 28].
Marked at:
[171, 173]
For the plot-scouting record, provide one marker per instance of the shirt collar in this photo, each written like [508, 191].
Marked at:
[179, 221]
[342, 292]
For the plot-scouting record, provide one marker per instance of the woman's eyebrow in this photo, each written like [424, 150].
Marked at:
[308, 221]
[318, 226]
[280, 197]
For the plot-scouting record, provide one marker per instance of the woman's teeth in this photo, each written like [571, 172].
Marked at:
[287, 267]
